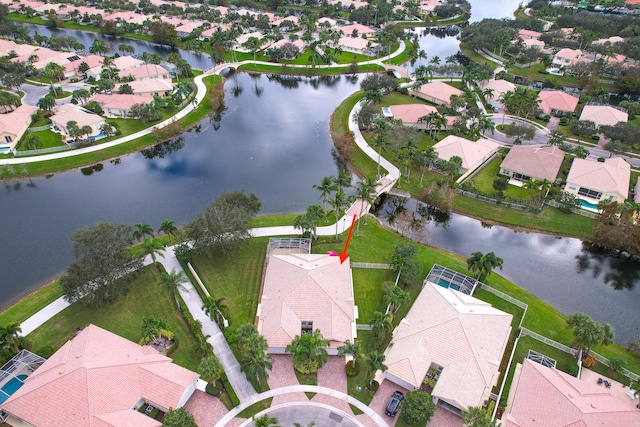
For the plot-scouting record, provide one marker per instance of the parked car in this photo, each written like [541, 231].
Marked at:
[394, 403]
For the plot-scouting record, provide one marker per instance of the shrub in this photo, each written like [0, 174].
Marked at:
[547, 118]
[564, 121]
[601, 159]
[589, 362]
[595, 137]
[418, 408]
[214, 390]
[45, 351]
[352, 369]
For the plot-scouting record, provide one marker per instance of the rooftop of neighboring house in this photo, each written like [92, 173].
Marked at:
[439, 90]
[14, 121]
[120, 101]
[143, 71]
[611, 176]
[552, 99]
[539, 162]
[74, 113]
[471, 152]
[549, 397]
[448, 328]
[603, 115]
[411, 113]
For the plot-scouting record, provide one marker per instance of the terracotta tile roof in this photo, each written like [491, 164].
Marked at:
[14, 121]
[550, 398]
[538, 162]
[93, 377]
[124, 62]
[306, 287]
[120, 101]
[611, 176]
[91, 60]
[142, 71]
[69, 112]
[149, 85]
[603, 115]
[529, 34]
[557, 100]
[411, 113]
[439, 90]
[499, 88]
[471, 152]
[448, 328]
[362, 29]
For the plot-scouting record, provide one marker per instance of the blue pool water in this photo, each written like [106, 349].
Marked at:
[4, 150]
[554, 71]
[11, 387]
[447, 284]
[586, 204]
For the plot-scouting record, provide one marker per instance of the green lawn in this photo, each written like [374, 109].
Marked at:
[48, 138]
[275, 220]
[483, 181]
[236, 278]
[31, 304]
[124, 317]
[368, 291]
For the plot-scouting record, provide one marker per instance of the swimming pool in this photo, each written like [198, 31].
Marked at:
[555, 71]
[447, 284]
[11, 387]
[4, 150]
[588, 205]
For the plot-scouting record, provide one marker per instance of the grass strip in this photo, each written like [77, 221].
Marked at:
[31, 304]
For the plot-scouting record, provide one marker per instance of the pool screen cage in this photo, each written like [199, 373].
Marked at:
[23, 363]
[288, 245]
[445, 277]
[541, 359]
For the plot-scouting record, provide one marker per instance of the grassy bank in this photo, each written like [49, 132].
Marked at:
[146, 297]
[45, 167]
[31, 304]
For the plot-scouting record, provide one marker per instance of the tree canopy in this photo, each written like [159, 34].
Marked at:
[587, 333]
[104, 265]
[224, 225]
[418, 408]
[178, 418]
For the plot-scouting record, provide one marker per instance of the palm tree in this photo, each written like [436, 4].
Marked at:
[529, 185]
[380, 323]
[545, 185]
[256, 361]
[350, 349]
[53, 71]
[395, 297]
[10, 336]
[174, 283]
[47, 102]
[327, 185]
[375, 362]
[343, 180]
[485, 124]
[168, 227]
[141, 231]
[309, 351]
[435, 60]
[367, 193]
[202, 346]
[338, 202]
[214, 308]
[153, 248]
[380, 142]
[210, 369]
[477, 417]
[425, 158]
[482, 265]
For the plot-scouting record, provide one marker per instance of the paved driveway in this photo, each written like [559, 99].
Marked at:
[381, 398]
[444, 418]
[206, 409]
[282, 375]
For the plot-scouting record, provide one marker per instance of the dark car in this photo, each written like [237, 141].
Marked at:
[394, 403]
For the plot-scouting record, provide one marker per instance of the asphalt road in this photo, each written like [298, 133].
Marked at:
[33, 93]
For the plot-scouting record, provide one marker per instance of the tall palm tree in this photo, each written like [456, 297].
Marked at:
[366, 192]
[309, 351]
[326, 186]
[485, 124]
[343, 180]
[202, 346]
[545, 185]
[375, 362]
[381, 323]
[380, 141]
[256, 361]
[153, 248]
[350, 349]
[215, 308]
[168, 227]
[210, 369]
[10, 336]
[142, 230]
[529, 185]
[425, 158]
[339, 201]
[173, 281]
[482, 265]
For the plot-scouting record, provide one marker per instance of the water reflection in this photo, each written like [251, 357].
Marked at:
[566, 273]
[163, 149]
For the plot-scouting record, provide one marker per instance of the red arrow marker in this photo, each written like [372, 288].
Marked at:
[344, 255]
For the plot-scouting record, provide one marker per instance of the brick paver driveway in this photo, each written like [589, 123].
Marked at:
[444, 418]
[282, 375]
[206, 409]
[381, 398]
[332, 375]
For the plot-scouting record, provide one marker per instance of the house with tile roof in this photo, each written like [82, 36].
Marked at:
[410, 114]
[447, 331]
[146, 71]
[529, 34]
[594, 181]
[361, 30]
[71, 69]
[472, 153]
[566, 57]
[358, 45]
[552, 101]
[119, 105]
[302, 292]
[498, 88]
[542, 396]
[150, 87]
[604, 115]
[13, 125]
[525, 162]
[99, 379]
[66, 113]
[437, 92]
